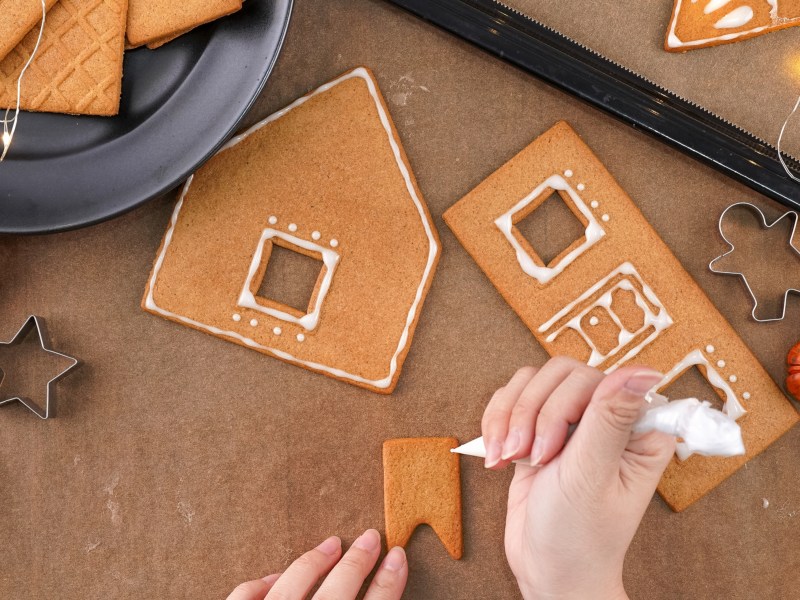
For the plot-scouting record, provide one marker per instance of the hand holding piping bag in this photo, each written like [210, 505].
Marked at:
[570, 520]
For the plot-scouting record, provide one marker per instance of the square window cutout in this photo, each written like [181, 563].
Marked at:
[693, 384]
[289, 278]
[549, 228]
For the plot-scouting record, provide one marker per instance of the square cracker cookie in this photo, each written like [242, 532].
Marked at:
[326, 177]
[158, 21]
[616, 295]
[17, 18]
[78, 66]
[422, 484]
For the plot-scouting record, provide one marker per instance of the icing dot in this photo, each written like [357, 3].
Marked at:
[300, 337]
[315, 235]
[732, 378]
[581, 187]
[253, 322]
[594, 321]
[237, 317]
[746, 395]
[292, 227]
[720, 363]
[594, 204]
[272, 220]
[568, 173]
[334, 243]
[276, 330]
[605, 218]
[710, 349]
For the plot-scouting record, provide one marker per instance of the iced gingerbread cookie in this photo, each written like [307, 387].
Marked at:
[615, 295]
[701, 23]
[323, 182]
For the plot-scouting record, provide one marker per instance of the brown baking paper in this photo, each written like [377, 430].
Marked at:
[180, 465]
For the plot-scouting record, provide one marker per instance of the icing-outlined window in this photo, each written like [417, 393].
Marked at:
[732, 407]
[249, 298]
[581, 315]
[527, 257]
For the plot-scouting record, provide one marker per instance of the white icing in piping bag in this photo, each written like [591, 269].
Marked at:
[703, 429]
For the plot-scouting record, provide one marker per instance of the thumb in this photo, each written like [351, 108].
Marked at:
[605, 429]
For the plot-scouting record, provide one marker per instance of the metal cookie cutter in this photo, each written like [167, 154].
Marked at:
[34, 322]
[739, 273]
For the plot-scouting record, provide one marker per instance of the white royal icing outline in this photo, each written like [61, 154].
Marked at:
[673, 41]
[330, 259]
[433, 248]
[542, 273]
[732, 407]
[659, 322]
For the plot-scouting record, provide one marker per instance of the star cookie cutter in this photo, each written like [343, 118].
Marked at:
[31, 323]
[732, 247]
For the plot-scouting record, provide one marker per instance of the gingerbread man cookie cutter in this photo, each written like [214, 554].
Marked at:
[31, 323]
[732, 247]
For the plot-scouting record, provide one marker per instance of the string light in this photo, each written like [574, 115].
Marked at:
[10, 125]
[780, 138]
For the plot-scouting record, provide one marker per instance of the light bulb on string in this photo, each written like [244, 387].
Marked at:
[10, 124]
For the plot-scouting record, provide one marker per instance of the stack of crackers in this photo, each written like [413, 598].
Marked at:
[78, 66]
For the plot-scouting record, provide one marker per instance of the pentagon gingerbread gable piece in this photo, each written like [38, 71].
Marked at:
[325, 177]
[616, 295]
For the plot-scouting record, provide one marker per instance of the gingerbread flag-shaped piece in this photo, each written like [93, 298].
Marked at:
[422, 484]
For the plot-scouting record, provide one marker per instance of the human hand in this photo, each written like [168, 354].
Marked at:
[571, 519]
[347, 573]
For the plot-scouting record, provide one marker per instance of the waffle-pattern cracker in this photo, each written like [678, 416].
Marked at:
[17, 18]
[78, 67]
[156, 22]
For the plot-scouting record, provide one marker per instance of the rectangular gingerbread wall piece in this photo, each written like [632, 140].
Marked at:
[617, 295]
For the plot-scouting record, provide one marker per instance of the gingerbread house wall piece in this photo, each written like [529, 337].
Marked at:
[623, 299]
[325, 177]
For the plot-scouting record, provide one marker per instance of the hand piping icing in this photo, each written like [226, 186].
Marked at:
[703, 429]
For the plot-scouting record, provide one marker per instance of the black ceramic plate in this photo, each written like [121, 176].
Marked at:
[179, 104]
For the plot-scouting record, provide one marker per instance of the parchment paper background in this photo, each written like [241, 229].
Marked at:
[180, 465]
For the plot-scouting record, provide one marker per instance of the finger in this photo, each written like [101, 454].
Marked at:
[303, 574]
[605, 428]
[349, 574]
[523, 416]
[254, 590]
[563, 408]
[645, 458]
[494, 425]
[390, 580]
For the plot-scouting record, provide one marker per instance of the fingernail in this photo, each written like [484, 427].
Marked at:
[271, 578]
[642, 382]
[330, 546]
[369, 540]
[512, 444]
[538, 451]
[395, 560]
[493, 451]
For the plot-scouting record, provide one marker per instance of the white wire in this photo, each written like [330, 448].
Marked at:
[780, 137]
[8, 136]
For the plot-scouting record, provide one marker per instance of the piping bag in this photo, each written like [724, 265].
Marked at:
[704, 430]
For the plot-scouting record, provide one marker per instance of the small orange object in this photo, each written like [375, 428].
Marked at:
[793, 379]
